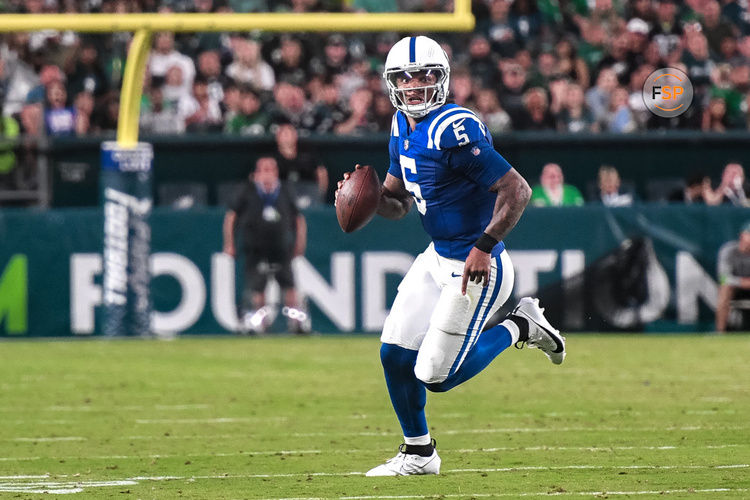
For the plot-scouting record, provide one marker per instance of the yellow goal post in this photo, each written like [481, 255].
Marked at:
[461, 19]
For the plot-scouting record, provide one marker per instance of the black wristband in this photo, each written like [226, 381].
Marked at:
[486, 243]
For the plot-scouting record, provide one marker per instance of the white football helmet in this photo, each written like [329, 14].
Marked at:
[412, 54]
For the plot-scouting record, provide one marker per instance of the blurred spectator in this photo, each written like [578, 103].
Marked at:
[83, 104]
[610, 193]
[328, 109]
[201, 112]
[513, 86]
[106, 116]
[291, 106]
[743, 47]
[714, 27]
[248, 66]
[619, 58]
[558, 93]
[736, 13]
[250, 118]
[575, 115]
[158, 116]
[641, 9]
[667, 32]
[17, 75]
[637, 37]
[715, 117]
[47, 75]
[696, 58]
[552, 191]
[230, 104]
[88, 74]
[537, 115]
[306, 177]
[32, 120]
[593, 47]
[335, 59]
[499, 30]
[273, 233]
[598, 96]
[289, 63]
[59, 119]
[462, 88]
[733, 269]
[697, 185]
[546, 68]
[209, 69]
[729, 51]
[489, 110]
[726, 83]
[9, 132]
[359, 121]
[164, 56]
[732, 189]
[481, 60]
[382, 112]
[355, 78]
[619, 118]
[174, 88]
[570, 64]
[526, 20]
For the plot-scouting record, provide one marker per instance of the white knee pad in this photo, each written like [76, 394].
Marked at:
[437, 355]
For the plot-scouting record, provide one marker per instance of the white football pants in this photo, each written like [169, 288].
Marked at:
[430, 315]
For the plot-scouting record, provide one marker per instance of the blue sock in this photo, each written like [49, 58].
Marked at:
[408, 394]
[491, 343]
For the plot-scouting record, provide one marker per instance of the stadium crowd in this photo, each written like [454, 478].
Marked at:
[570, 66]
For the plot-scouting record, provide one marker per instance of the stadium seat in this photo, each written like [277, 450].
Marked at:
[227, 191]
[659, 189]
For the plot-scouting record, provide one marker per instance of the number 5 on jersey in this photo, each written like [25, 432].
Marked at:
[411, 165]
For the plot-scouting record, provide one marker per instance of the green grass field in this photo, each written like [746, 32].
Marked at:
[204, 418]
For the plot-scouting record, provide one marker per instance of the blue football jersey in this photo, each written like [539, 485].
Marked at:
[448, 164]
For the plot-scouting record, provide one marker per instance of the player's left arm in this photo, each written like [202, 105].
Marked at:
[513, 194]
[473, 154]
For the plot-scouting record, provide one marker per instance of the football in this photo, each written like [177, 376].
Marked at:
[358, 199]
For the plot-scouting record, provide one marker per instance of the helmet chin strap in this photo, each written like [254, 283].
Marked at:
[416, 110]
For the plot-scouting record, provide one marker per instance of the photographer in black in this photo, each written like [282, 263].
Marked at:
[273, 233]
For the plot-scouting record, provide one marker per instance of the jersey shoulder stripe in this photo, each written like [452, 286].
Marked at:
[458, 118]
[439, 118]
[394, 125]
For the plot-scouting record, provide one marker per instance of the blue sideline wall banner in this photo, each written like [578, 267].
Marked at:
[647, 268]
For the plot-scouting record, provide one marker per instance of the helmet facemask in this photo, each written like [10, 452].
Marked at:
[434, 95]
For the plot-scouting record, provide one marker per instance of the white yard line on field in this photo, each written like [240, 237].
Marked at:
[218, 420]
[44, 484]
[534, 429]
[46, 439]
[383, 450]
[528, 494]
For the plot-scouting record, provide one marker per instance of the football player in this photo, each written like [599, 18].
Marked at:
[469, 198]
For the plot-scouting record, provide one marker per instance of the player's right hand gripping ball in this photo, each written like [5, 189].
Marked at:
[358, 199]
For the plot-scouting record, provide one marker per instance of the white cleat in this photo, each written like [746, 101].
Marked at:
[542, 334]
[405, 464]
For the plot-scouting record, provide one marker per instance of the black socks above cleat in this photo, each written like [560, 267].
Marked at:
[423, 450]
[523, 327]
